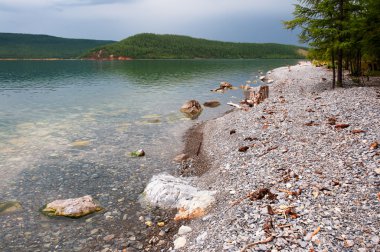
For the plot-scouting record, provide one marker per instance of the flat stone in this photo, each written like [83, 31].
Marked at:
[76, 207]
[184, 230]
[180, 242]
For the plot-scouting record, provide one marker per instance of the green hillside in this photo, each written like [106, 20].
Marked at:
[152, 46]
[28, 46]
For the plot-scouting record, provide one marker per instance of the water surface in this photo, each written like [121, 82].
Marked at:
[67, 127]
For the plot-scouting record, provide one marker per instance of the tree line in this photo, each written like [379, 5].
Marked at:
[344, 32]
[154, 46]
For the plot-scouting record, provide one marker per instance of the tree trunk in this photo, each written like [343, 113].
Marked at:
[340, 50]
[339, 82]
[333, 68]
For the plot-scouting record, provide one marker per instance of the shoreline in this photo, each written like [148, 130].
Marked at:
[233, 179]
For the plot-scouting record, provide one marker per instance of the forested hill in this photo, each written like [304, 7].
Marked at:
[152, 46]
[28, 46]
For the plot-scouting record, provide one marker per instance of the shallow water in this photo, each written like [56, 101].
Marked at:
[66, 128]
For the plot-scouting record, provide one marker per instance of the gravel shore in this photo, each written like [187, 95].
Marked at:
[314, 150]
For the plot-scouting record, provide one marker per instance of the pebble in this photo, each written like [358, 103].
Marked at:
[108, 237]
[180, 242]
[375, 239]
[184, 230]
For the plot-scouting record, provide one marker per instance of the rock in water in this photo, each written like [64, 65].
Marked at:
[167, 192]
[211, 104]
[9, 207]
[191, 109]
[74, 208]
[225, 85]
[138, 153]
[181, 157]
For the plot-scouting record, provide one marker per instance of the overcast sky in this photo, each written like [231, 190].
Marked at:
[226, 20]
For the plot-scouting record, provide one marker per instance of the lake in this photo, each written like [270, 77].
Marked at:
[67, 128]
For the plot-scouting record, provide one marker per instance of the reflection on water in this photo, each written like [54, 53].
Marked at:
[67, 127]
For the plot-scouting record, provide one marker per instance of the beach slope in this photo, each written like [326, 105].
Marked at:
[314, 149]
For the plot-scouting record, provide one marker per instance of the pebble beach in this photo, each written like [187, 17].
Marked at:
[298, 172]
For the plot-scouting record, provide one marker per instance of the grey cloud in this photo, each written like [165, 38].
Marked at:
[93, 2]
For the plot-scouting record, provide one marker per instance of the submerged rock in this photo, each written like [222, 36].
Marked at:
[211, 104]
[168, 192]
[191, 109]
[76, 207]
[9, 207]
[181, 157]
[80, 143]
[138, 153]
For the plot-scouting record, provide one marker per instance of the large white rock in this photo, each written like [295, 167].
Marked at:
[166, 191]
[76, 207]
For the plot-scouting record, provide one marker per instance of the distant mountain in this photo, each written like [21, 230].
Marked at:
[28, 46]
[152, 46]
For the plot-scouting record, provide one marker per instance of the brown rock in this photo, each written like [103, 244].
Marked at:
[225, 85]
[342, 126]
[243, 149]
[374, 145]
[211, 104]
[191, 109]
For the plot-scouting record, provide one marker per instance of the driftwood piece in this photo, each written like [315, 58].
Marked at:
[234, 105]
[255, 98]
[269, 239]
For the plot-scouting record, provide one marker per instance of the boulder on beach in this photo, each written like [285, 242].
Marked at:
[74, 208]
[191, 109]
[212, 104]
[167, 192]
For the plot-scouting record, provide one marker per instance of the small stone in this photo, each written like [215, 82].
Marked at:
[348, 243]
[377, 171]
[161, 233]
[138, 153]
[161, 224]
[94, 231]
[181, 157]
[303, 244]
[184, 230]
[161, 243]
[108, 237]
[375, 239]
[180, 242]
[132, 238]
[201, 238]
